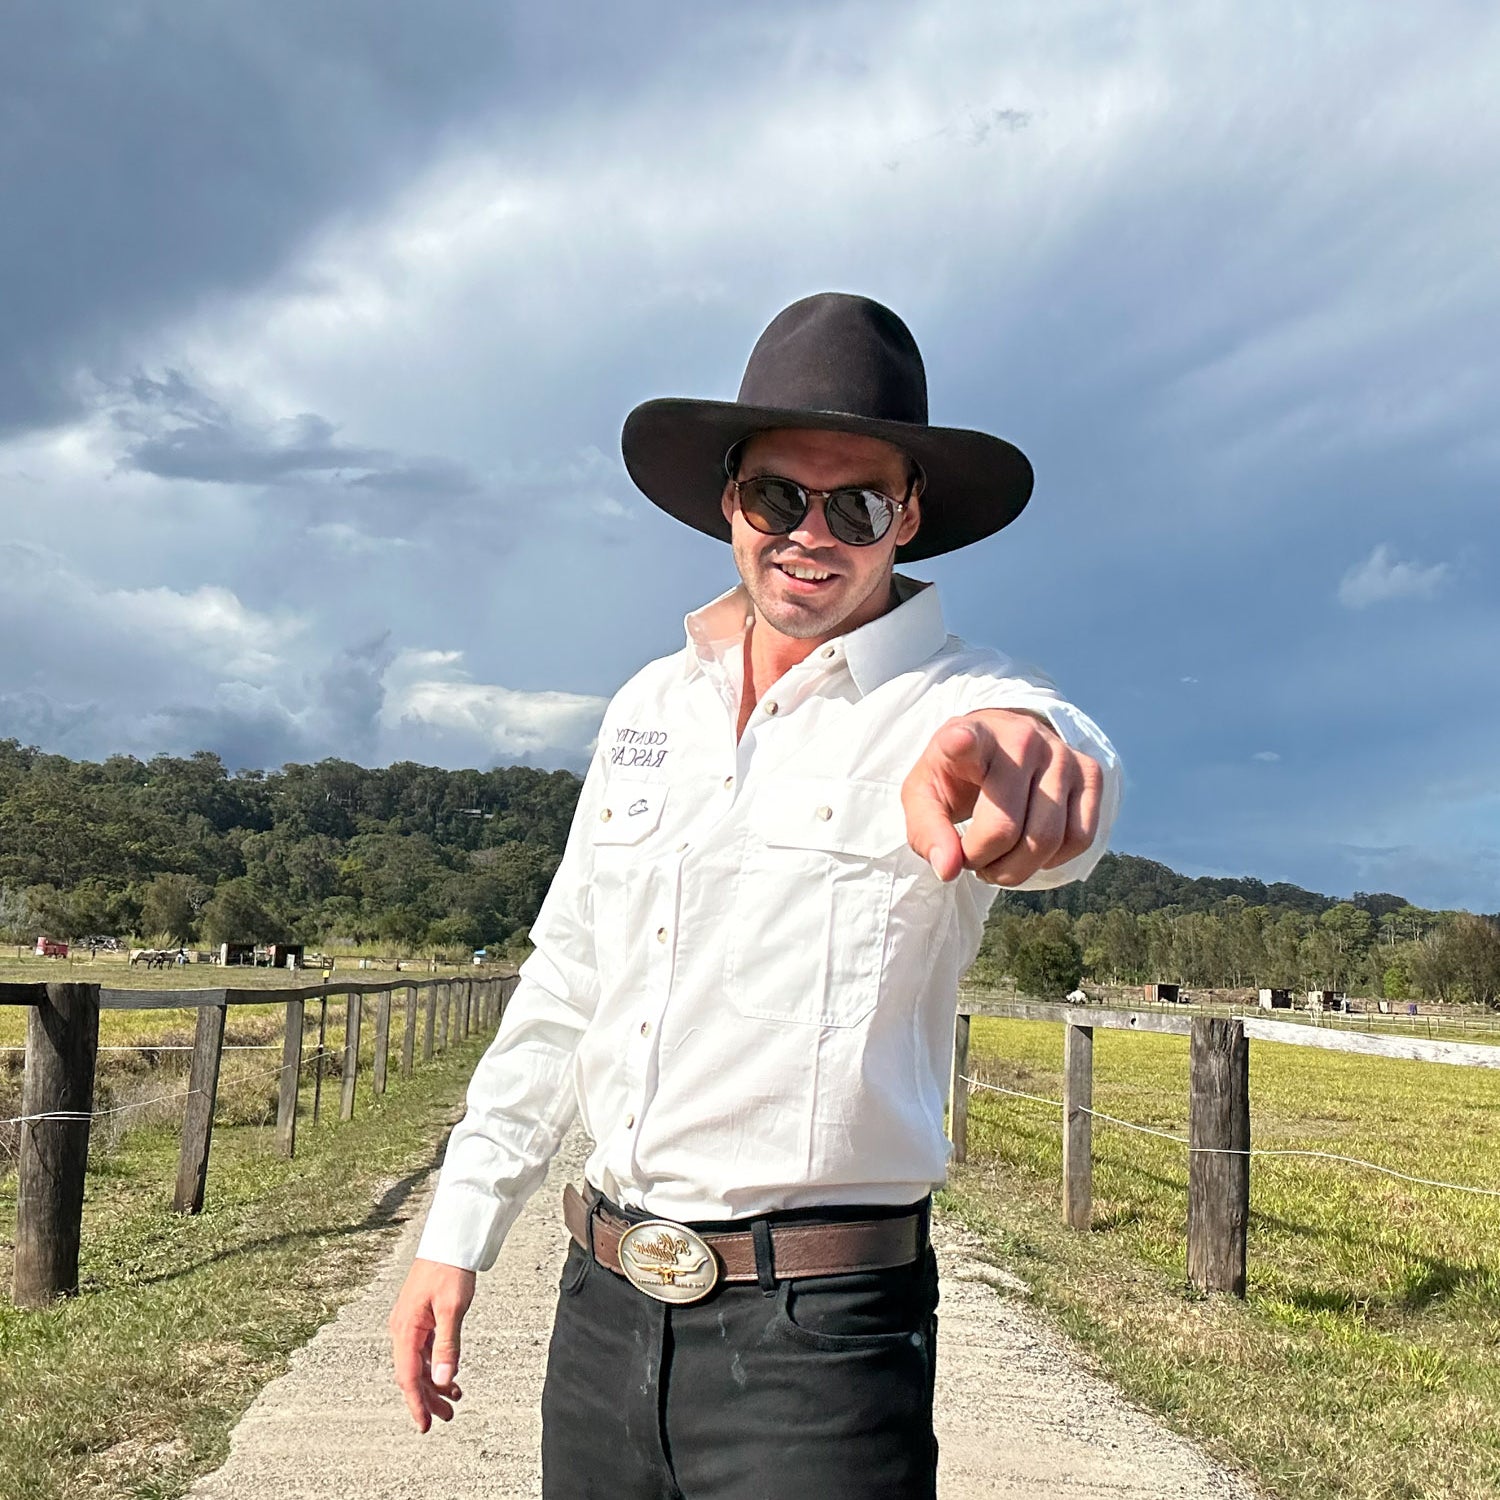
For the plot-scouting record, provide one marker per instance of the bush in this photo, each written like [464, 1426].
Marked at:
[1047, 963]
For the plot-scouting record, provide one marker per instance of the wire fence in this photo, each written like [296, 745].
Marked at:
[316, 1056]
[1166, 1135]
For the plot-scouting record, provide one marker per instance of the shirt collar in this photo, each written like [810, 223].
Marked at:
[895, 642]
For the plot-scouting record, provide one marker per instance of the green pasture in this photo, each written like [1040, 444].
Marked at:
[1365, 1359]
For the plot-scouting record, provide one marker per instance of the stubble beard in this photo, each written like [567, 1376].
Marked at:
[797, 620]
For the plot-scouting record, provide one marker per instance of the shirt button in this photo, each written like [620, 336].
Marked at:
[829, 652]
[682, 848]
[630, 1122]
[605, 815]
[645, 1028]
[728, 782]
[824, 814]
[771, 709]
[661, 934]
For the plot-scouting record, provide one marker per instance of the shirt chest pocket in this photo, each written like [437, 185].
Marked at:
[812, 901]
[623, 845]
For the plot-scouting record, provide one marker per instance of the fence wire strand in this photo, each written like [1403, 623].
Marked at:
[1181, 1140]
[316, 1055]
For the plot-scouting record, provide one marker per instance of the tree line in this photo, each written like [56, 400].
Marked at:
[1135, 920]
[178, 849]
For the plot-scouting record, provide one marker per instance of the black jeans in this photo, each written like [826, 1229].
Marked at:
[816, 1387]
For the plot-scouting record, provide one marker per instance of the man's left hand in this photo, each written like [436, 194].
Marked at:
[1033, 801]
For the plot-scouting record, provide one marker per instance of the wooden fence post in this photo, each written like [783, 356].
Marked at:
[468, 1007]
[429, 1023]
[291, 1077]
[382, 1040]
[352, 1013]
[1218, 1168]
[445, 1017]
[1078, 1126]
[198, 1117]
[958, 1090]
[62, 1048]
[409, 1034]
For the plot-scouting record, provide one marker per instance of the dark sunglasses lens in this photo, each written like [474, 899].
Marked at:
[858, 517]
[772, 506]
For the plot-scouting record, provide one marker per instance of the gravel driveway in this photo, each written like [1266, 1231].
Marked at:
[1018, 1414]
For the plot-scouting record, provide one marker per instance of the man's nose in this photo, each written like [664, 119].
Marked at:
[812, 530]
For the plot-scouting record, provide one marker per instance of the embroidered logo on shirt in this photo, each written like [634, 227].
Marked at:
[639, 747]
[637, 807]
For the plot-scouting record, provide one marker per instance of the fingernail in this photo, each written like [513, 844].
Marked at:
[442, 1374]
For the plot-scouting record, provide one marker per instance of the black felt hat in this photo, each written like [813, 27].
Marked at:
[842, 364]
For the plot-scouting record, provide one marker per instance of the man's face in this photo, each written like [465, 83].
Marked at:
[852, 585]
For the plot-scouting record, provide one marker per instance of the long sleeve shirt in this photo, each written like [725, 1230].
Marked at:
[744, 980]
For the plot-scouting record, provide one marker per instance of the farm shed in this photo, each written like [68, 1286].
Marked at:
[1274, 999]
[1325, 1000]
[1162, 994]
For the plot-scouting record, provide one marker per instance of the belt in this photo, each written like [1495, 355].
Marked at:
[830, 1249]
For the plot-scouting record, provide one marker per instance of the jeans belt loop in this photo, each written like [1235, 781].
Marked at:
[765, 1264]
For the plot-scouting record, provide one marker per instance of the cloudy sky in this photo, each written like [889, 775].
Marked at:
[319, 324]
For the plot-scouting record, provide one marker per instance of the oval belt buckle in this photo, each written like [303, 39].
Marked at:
[668, 1261]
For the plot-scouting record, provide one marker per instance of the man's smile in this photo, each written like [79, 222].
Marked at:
[804, 577]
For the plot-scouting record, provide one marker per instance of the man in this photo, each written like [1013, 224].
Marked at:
[745, 971]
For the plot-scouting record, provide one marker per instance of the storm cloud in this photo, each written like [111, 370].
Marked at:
[321, 323]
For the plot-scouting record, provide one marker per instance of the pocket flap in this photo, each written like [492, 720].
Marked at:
[631, 810]
[861, 818]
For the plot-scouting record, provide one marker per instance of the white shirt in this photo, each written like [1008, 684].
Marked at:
[744, 979]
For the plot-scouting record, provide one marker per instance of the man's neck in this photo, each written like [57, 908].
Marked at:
[769, 656]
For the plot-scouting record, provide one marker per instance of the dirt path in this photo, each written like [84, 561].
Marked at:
[1017, 1414]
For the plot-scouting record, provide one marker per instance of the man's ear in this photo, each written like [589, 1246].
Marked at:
[726, 503]
[911, 519]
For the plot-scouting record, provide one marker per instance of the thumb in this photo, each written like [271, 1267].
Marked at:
[445, 1349]
[930, 833]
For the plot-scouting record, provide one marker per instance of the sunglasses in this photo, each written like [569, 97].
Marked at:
[776, 506]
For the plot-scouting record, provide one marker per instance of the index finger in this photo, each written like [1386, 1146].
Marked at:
[941, 790]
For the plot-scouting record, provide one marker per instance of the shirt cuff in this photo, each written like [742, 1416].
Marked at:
[465, 1228]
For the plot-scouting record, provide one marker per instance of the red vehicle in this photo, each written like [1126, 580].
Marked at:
[48, 948]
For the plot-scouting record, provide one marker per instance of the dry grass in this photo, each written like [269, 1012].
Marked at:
[1365, 1361]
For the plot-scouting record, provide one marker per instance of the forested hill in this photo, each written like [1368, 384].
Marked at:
[175, 847]
[1129, 883]
[409, 855]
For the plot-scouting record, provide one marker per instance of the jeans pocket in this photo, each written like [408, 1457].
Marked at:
[575, 1269]
[860, 1316]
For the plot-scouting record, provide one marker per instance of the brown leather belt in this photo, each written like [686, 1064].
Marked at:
[834, 1249]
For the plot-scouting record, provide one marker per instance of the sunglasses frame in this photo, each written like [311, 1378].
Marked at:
[809, 495]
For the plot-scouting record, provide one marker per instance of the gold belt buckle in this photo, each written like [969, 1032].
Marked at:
[668, 1261]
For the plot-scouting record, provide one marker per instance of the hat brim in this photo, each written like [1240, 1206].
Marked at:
[674, 450]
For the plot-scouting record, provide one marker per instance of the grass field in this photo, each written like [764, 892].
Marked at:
[130, 1388]
[1365, 1360]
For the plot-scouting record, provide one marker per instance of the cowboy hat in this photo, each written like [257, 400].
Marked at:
[838, 363]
